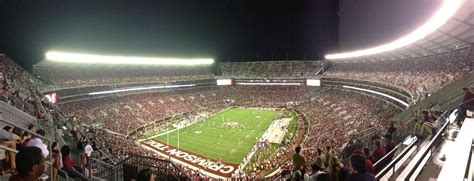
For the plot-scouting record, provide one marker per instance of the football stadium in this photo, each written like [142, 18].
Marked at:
[237, 90]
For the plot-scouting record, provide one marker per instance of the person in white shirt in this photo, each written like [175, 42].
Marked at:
[38, 142]
[88, 148]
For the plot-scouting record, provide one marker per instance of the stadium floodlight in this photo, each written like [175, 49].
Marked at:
[101, 59]
[447, 10]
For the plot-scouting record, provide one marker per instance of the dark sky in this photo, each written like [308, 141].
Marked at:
[223, 29]
[368, 23]
[227, 30]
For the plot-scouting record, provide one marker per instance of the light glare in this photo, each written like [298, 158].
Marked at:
[447, 10]
[101, 59]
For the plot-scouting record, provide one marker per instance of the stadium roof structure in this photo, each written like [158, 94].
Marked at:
[456, 33]
[58, 58]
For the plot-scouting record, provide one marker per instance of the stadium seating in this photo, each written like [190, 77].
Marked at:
[326, 109]
[333, 116]
[62, 75]
[271, 69]
[19, 88]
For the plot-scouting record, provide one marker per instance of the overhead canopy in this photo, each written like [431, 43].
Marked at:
[456, 33]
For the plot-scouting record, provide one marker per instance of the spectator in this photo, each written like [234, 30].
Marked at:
[88, 148]
[379, 151]
[427, 124]
[316, 171]
[8, 128]
[327, 156]
[30, 164]
[17, 131]
[80, 145]
[296, 175]
[391, 130]
[74, 133]
[359, 171]
[467, 104]
[32, 128]
[340, 172]
[6, 139]
[145, 175]
[38, 142]
[369, 164]
[94, 146]
[14, 136]
[57, 160]
[298, 160]
[68, 164]
[390, 145]
[25, 138]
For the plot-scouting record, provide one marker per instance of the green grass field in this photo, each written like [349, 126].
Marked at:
[228, 135]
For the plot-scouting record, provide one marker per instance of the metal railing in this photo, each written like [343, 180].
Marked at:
[19, 104]
[36, 136]
[357, 142]
[12, 113]
[102, 170]
[430, 148]
[434, 143]
[391, 165]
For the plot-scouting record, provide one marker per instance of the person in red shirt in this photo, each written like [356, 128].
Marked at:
[368, 162]
[467, 104]
[379, 151]
[390, 145]
[68, 164]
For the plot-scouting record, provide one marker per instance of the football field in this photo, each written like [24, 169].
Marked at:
[226, 136]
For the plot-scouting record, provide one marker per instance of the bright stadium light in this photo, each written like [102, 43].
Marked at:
[101, 59]
[441, 16]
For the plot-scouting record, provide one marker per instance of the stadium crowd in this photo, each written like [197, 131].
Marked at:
[421, 76]
[330, 113]
[271, 69]
[18, 88]
[326, 110]
[333, 116]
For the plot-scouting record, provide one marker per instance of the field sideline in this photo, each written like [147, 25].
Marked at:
[226, 136]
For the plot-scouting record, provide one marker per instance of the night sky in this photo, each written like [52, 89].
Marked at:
[368, 23]
[227, 30]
